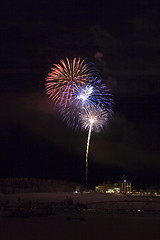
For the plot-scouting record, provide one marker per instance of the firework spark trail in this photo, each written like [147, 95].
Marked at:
[92, 118]
[87, 150]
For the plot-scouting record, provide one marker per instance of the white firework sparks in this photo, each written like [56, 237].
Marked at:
[93, 118]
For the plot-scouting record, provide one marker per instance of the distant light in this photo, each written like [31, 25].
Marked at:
[76, 191]
[124, 180]
[138, 210]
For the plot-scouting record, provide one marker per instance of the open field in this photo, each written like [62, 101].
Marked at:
[91, 200]
[64, 215]
[66, 226]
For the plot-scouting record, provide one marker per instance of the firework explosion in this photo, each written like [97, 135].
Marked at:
[86, 96]
[95, 116]
[82, 99]
[65, 77]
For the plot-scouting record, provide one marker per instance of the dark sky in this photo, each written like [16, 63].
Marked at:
[35, 142]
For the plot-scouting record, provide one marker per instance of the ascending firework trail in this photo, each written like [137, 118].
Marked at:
[93, 118]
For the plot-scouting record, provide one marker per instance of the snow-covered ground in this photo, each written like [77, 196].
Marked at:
[95, 226]
[92, 200]
[107, 217]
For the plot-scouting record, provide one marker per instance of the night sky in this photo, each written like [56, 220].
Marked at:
[122, 39]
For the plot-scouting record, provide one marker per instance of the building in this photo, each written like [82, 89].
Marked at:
[108, 188]
[126, 187]
[122, 186]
